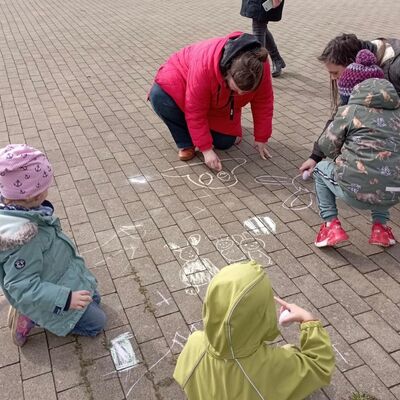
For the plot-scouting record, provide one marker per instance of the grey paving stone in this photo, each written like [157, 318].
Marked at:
[388, 264]
[386, 309]
[365, 381]
[289, 264]
[387, 337]
[350, 300]
[9, 354]
[40, 388]
[160, 299]
[314, 291]
[356, 281]
[35, 358]
[344, 323]
[175, 331]
[189, 305]
[10, 383]
[294, 244]
[386, 284]
[99, 387]
[144, 324]
[318, 269]
[66, 366]
[357, 259]
[345, 356]
[281, 284]
[379, 361]
[129, 291]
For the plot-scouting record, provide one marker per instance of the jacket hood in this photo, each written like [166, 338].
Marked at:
[239, 311]
[235, 46]
[375, 93]
[15, 231]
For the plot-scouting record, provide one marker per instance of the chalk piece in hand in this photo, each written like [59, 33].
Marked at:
[306, 175]
[283, 316]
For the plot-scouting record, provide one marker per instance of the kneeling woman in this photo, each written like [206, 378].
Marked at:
[200, 91]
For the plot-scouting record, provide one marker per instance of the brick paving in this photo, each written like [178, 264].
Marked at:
[73, 81]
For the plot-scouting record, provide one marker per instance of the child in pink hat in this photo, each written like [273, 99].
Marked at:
[41, 274]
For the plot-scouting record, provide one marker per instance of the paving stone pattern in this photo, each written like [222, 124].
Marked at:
[74, 76]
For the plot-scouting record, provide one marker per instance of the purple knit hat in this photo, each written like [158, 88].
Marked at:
[363, 68]
[24, 172]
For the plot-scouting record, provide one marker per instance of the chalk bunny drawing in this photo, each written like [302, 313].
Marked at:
[223, 179]
[306, 195]
[253, 247]
[226, 247]
[195, 272]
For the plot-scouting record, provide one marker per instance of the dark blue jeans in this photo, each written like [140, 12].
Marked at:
[93, 319]
[166, 108]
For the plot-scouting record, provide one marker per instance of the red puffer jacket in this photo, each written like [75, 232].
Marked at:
[192, 77]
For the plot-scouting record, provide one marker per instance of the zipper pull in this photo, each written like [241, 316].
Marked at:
[232, 111]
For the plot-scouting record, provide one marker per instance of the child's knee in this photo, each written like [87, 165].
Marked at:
[99, 323]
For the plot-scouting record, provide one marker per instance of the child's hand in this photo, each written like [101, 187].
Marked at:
[297, 314]
[80, 299]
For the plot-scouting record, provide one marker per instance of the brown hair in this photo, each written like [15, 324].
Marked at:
[341, 50]
[247, 69]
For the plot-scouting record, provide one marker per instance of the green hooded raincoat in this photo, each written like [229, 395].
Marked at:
[231, 360]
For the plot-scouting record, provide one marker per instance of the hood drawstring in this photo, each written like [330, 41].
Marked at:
[218, 93]
[232, 104]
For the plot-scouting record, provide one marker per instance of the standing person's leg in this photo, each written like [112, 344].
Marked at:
[327, 190]
[166, 108]
[381, 234]
[259, 29]
[277, 61]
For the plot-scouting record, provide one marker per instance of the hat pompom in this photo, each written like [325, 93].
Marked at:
[366, 58]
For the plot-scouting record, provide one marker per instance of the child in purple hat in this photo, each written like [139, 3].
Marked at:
[41, 274]
[363, 143]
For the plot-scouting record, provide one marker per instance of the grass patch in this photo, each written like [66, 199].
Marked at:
[362, 396]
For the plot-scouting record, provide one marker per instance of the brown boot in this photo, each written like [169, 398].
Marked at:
[186, 154]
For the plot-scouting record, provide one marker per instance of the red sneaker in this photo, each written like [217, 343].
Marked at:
[331, 235]
[381, 235]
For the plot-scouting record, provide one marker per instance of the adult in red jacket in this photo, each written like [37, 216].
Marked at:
[200, 91]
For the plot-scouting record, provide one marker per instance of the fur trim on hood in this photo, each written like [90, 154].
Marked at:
[15, 231]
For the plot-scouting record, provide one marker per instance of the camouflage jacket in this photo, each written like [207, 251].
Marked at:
[364, 141]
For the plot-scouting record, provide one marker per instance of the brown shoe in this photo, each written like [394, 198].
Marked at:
[186, 154]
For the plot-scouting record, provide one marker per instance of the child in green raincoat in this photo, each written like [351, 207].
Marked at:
[231, 359]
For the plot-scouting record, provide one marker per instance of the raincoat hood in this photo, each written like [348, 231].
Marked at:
[375, 93]
[239, 311]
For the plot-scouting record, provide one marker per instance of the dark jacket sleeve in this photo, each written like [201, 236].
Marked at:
[317, 154]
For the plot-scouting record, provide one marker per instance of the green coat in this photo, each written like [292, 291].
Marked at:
[230, 359]
[39, 266]
[364, 141]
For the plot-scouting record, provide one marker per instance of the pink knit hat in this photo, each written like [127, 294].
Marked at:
[24, 172]
[364, 67]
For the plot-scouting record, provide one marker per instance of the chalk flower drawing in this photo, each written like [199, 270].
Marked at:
[195, 271]
[223, 179]
[300, 199]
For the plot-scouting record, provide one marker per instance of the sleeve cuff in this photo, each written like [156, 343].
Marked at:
[68, 303]
[310, 324]
[316, 158]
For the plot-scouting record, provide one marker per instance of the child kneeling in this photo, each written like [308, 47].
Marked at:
[231, 359]
[42, 276]
[363, 141]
